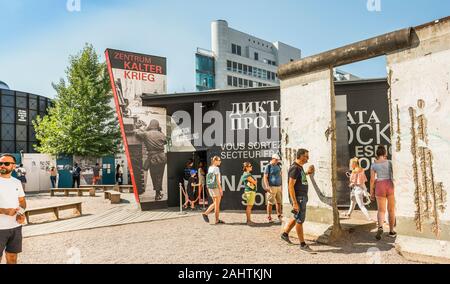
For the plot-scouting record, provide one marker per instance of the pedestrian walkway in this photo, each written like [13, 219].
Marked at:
[117, 216]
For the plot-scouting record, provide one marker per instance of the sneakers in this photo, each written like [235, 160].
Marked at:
[379, 234]
[205, 218]
[393, 234]
[269, 219]
[307, 249]
[285, 237]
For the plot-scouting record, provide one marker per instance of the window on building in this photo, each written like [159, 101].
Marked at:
[235, 67]
[230, 81]
[245, 83]
[245, 69]
[229, 65]
[241, 82]
[250, 70]
[240, 68]
[235, 82]
[204, 82]
[204, 64]
[250, 83]
[256, 56]
[236, 49]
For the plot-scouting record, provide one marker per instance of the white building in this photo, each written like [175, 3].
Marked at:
[340, 75]
[240, 60]
[3, 85]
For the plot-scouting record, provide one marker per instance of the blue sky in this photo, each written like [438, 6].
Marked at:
[37, 37]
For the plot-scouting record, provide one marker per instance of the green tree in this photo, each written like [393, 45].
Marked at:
[81, 121]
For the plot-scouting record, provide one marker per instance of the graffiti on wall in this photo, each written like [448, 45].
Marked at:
[430, 196]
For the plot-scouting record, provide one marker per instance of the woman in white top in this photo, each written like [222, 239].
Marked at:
[215, 189]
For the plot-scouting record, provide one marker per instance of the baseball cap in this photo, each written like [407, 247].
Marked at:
[276, 156]
[193, 172]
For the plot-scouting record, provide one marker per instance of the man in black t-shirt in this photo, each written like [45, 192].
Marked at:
[298, 195]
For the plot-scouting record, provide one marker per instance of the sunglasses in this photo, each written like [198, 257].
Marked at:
[7, 164]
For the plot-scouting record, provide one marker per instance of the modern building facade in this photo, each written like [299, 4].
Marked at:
[17, 112]
[240, 60]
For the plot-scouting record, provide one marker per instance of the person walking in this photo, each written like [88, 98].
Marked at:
[298, 193]
[53, 176]
[12, 210]
[96, 174]
[272, 181]
[250, 185]
[76, 176]
[214, 185]
[382, 189]
[358, 187]
[22, 175]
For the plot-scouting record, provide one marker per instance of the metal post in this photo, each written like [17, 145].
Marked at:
[203, 192]
[181, 199]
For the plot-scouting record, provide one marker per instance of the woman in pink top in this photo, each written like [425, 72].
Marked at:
[358, 181]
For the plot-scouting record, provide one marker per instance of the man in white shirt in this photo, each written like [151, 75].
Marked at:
[12, 209]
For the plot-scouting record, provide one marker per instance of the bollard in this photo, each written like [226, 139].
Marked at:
[181, 199]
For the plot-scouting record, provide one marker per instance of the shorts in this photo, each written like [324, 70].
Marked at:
[250, 197]
[192, 194]
[214, 192]
[300, 217]
[274, 197]
[384, 188]
[11, 240]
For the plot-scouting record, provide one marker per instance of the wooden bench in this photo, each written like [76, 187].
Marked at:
[114, 196]
[79, 191]
[54, 209]
[126, 188]
[103, 187]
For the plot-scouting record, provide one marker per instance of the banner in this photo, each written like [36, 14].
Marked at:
[143, 128]
[237, 128]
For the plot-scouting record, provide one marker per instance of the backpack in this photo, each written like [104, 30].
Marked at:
[211, 181]
[269, 167]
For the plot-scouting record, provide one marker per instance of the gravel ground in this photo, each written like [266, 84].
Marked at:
[91, 205]
[190, 240]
